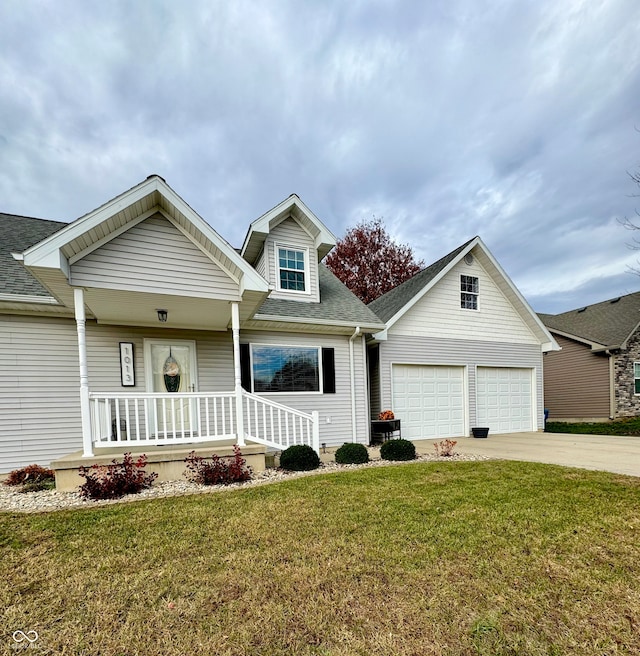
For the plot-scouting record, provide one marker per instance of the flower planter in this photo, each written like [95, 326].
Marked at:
[480, 432]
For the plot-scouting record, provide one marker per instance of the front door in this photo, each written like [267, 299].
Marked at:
[170, 368]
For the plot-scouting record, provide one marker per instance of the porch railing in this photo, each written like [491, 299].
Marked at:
[278, 425]
[152, 418]
[180, 418]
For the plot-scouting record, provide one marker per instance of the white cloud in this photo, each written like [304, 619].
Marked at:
[515, 121]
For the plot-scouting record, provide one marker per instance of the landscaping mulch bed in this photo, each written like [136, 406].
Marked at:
[11, 499]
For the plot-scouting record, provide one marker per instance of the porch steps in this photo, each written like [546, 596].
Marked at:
[167, 461]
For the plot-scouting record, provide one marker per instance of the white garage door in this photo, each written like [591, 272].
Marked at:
[504, 398]
[429, 401]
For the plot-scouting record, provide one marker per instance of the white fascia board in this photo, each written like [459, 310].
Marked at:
[49, 259]
[432, 283]
[546, 335]
[261, 227]
[26, 298]
[323, 322]
[33, 255]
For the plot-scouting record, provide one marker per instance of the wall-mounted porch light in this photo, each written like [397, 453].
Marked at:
[162, 316]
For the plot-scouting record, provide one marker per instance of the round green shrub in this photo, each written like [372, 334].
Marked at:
[299, 457]
[398, 450]
[352, 454]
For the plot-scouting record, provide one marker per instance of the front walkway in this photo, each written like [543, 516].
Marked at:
[620, 455]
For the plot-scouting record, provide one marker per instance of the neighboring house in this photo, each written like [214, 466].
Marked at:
[138, 327]
[596, 375]
[461, 348]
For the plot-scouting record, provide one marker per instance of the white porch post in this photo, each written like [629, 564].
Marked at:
[85, 408]
[235, 329]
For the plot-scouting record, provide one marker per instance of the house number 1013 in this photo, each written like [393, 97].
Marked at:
[127, 368]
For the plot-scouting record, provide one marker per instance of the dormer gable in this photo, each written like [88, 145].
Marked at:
[285, 246]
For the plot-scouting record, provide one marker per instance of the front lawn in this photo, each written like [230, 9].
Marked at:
[629, 426]
[424, 558]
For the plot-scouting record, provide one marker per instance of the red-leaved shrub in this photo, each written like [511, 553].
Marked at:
[115, 480]
[29, 474]
[217, 470]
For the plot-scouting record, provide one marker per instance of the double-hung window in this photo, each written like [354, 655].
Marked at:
[469, 291]
[636, 377]
[291, 269]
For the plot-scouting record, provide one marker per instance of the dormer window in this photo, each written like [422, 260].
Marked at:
[469, 290]
[292, 269]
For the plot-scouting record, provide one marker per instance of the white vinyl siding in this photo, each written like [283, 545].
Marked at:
[261, 265]
[39, 391]
[467, 353]
[504, 399]
[438, 313]
[429, 401]
[154, 256]
[290, 234]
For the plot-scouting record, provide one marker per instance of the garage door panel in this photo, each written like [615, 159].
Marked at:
[504, 399]
[433, 404]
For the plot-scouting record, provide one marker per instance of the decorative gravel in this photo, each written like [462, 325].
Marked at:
[49, 500]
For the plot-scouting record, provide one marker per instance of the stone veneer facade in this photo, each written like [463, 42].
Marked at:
[627, 402]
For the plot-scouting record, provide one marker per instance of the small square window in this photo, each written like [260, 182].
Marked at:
[291, 267]
[469, 290]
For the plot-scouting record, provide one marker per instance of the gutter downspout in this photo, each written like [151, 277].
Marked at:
[352, 370]
[612, 387]
[367, 389]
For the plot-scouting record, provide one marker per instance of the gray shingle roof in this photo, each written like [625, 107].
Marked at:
[17, 233]
[394, 300]
[609, 323]
[337, 303]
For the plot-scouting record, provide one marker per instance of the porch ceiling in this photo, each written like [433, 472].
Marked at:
[139, 309]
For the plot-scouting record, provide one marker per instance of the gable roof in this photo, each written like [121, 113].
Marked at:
[324, 239]
[390, 307]
[608, 324]
[17, 234]
[389, 304]
[89, 232]
[337, 306]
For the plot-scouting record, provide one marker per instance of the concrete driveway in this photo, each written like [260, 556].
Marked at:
[620, 455]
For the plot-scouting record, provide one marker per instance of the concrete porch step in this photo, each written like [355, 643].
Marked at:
[166, 461]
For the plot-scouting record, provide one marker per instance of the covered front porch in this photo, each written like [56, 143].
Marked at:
[167, 425]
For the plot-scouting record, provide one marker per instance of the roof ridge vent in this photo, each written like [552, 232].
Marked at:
[614, 300]
[582, 309]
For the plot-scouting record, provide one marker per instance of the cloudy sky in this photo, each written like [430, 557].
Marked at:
[517, 120]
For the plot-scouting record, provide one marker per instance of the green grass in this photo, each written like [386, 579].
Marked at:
[424, 558]
[629, 426]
